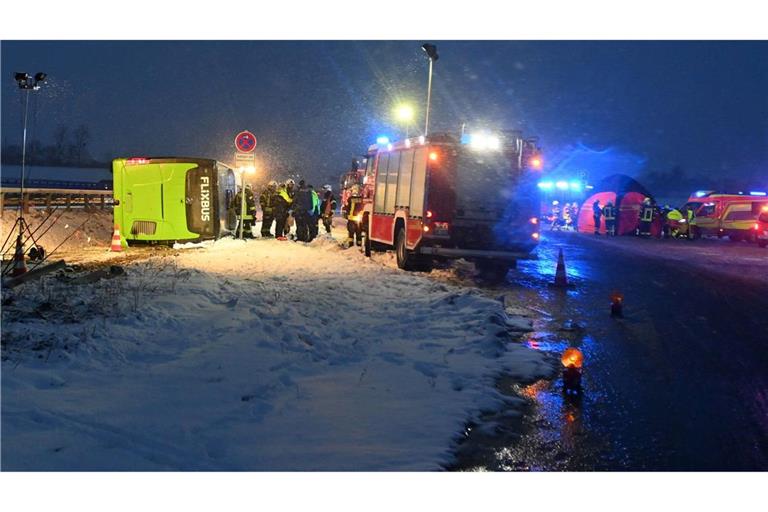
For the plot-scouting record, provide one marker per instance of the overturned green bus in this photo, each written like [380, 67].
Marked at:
[172, 199]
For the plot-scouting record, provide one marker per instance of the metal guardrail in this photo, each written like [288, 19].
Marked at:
[37, 195]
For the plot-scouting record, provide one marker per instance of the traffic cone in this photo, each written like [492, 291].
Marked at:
[117, 246]
[19, 265]
[561, 280]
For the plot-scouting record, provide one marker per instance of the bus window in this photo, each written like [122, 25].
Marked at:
[392, 173]
[418, 182]
[381, 183]
[404, 179]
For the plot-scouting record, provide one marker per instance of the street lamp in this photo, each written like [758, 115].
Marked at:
[26, 84]
[404, 114]
[431, 51]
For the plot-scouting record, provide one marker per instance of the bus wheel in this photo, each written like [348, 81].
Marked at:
[405, 259]
[493, 271]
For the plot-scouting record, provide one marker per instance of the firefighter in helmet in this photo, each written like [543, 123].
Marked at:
[327, 207]
[597, 212]
[609, 212]
[646, 217]
[268, 201]
[283, 203]
[247, 216]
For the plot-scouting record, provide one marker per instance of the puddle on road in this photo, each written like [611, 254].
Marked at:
[556, 431]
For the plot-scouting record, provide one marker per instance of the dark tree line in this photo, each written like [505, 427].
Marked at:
[69, 148]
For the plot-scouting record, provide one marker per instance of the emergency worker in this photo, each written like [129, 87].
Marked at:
[691, 217]
[282, 206]
[349, 212]
[567, 218]
[597, 212]
[314, 214]
[609, 212]
[249, 215]
[555, 217]
[302, 206]
[646, 217]
[665, 225]
[267, 201]
[290, 187]
[327, 207]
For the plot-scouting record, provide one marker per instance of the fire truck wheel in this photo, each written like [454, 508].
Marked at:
[405, 260]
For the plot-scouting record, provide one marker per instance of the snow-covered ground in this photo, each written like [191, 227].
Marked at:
[257, 355]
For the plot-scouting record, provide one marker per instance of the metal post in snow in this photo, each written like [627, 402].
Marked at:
[429, 97]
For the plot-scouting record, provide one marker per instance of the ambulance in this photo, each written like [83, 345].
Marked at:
[732, 215]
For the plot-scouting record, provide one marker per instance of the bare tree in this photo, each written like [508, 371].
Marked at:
[82, 136]
[60, 136]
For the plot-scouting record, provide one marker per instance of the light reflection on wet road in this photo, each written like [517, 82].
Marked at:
[681, 383]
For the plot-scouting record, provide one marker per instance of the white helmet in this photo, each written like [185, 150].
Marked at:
[555, 203]
[290, 183]
[272, 184]
[327, 187]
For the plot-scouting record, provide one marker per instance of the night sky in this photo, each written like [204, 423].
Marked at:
[600, 107]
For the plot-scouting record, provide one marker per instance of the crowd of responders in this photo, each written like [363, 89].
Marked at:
[295, 211]
[652, 220]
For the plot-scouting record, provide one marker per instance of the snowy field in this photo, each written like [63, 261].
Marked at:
[257, 355]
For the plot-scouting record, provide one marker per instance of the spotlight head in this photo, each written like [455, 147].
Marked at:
[431, 51]
[21, 77]
[40, 77]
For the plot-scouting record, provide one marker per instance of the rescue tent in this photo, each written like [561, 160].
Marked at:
[625, 193]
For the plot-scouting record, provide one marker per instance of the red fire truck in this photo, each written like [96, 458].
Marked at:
[443, 196]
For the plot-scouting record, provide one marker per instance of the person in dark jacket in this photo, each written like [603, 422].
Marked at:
[282, 206]
[327, 207]
[249, 216]
[609, 212]
[597, 212]
[314, 214]
[302, 208]
[268, 200]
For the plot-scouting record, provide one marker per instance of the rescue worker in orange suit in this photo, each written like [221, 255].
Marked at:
[597, 212]
[282, 205]
[267, 201]
[327, 207]
[609, 212]
[350, 211]
[646, 217]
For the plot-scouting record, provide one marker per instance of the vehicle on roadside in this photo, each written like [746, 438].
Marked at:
[732, 215]
[761, 227]
[172, 199]
[444, 196]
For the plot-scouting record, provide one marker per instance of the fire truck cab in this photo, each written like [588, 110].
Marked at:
[440, 197]
[731, 215]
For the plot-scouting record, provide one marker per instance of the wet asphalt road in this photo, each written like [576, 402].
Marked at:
[680, 383]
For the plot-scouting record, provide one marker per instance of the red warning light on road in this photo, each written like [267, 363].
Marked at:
[245, 141]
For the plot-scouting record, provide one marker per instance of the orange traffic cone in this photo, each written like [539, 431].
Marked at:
[19, 265]
[117, 246]
[561, 279]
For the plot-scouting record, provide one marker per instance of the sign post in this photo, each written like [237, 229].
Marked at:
[245, 143]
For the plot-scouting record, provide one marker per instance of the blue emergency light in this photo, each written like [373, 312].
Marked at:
[382, 140]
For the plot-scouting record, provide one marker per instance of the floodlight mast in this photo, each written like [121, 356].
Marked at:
[431, 51]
